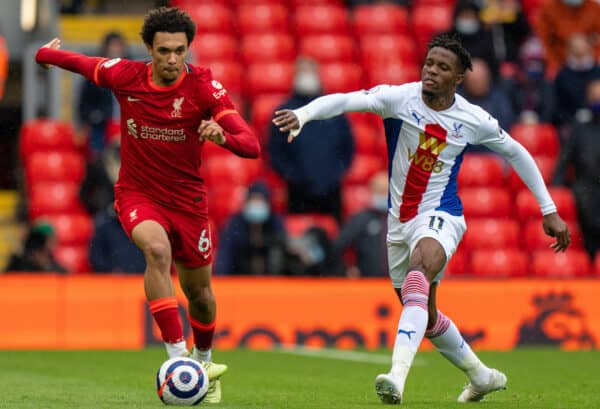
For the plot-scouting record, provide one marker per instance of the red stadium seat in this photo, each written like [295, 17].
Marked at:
[430, 19]
[365, 139]
[362, 168]
[263, 110]
[54, 198]
[71, 228]
[268, 47]
[46, 135]
[57, 166]
[380, 19]
[211, 17]
[491, 234]
[228, 73]
[296, 3]
[263, 17]
[535, 238]
[340, 77]
[545, 164]
[538, 139]
[500, 263]
[378, 49]
[328, 47]
[570, 264]
[393, 73]
[279, 193]
[481, 170]
[457, 266]
[214, 46]
[486, 202]
[74, 258]
[225, 200]
[597, 264]
[528, 207]
[296, 224]
[264, 78]
[355, 199]
[319, 18]
[230, 170]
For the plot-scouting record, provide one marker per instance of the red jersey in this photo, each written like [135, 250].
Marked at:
[160, 149]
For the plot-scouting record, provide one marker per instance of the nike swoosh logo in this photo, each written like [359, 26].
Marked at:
[131, 99]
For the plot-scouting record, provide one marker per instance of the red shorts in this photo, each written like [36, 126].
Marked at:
[189, 232]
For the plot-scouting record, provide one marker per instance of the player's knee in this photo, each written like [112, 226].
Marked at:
[157, 254]
[201, 297]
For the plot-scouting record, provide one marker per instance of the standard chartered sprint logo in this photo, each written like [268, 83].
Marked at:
[154, 133]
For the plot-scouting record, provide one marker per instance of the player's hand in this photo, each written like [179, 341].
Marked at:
[287, 121]
[554, 226]
[211, 131]
[55, 45]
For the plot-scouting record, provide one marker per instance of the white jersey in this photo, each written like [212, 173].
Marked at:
[426, 147]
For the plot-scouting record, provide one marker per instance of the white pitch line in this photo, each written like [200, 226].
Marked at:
[341, 355]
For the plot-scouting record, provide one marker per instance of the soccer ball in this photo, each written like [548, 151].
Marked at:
[181, 381]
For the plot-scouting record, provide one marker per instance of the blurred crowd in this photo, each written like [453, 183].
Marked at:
[533, 63]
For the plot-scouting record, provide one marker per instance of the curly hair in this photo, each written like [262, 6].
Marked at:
[169, 20]
[452, 43]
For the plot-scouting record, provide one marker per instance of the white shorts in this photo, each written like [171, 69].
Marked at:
[402, 238]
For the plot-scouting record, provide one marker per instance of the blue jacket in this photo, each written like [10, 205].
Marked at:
[319, 157]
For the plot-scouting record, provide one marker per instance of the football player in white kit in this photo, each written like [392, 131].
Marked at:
[428, 126]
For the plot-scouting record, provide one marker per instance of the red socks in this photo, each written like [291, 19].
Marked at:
[203, 334]
[166, 315]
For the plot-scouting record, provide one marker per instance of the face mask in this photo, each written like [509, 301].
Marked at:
[379, 202]
[580, 64]
[574, 3]
[307, 84]
[467, 26]
[256, 212]
[595, 107]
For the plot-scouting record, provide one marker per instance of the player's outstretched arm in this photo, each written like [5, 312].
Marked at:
[50, 54]
[523, 163]
[323, 107]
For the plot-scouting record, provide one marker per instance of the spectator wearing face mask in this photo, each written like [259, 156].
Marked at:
[571, 82]
[474, 35]
[306, 164]
[253, 241]
[365, 233]
[558, 20]
[532, 95]
[582, 154]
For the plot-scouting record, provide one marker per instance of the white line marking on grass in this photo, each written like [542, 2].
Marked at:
[341, 355]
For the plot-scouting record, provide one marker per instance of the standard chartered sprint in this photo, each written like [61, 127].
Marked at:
[154, 133]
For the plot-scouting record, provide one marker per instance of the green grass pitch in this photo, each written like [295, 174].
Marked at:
[537, 378]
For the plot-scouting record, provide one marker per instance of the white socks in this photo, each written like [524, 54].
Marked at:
[176, 349]
[412, 325]
[201, 356]
[448, 341]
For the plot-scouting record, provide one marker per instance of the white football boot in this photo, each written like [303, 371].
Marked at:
[388, 389]
[214, 372]
[475, 393]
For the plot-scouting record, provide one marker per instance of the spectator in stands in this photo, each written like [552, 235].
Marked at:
[582, 153]
[97, 188]
[253, 241]
[580, 68]
[475, 36]
[531, 94]
[111, 251]
[97, 107]
[37, 253]
[365, 233]
[509, 25]
[313, 179]
[3, 64]
[479, 89]
[312, 254]
[558, 20]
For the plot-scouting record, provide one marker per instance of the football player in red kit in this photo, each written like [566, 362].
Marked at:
[169, 109]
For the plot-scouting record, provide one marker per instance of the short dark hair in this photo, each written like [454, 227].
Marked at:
[169, 20]
[452, 43]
